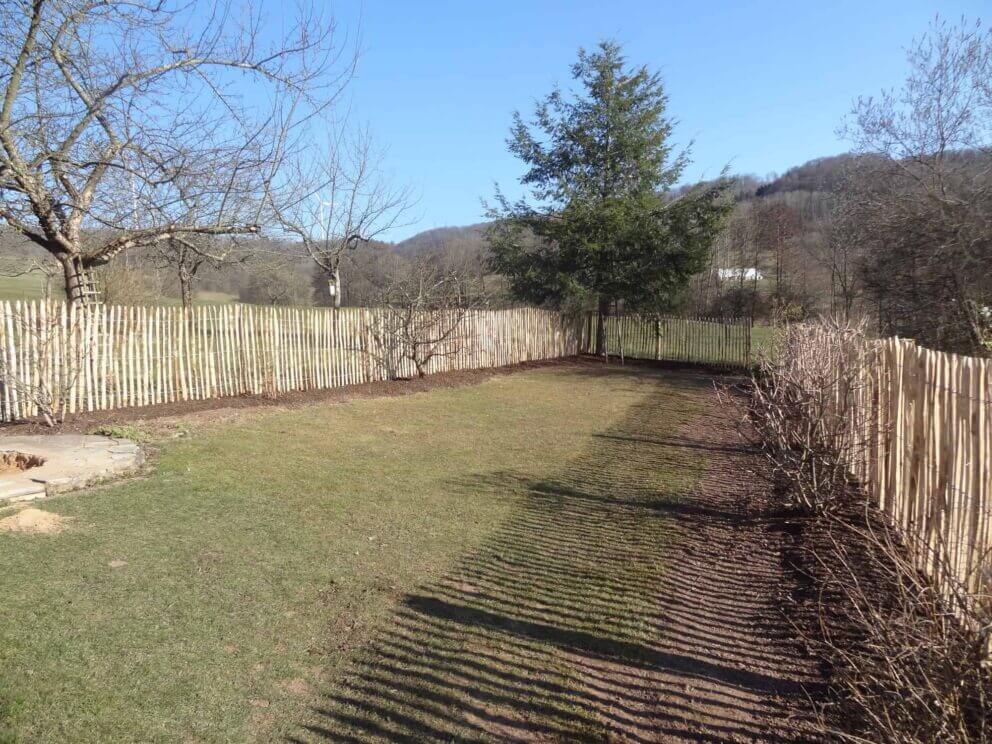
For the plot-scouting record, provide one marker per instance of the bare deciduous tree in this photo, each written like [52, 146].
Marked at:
[420, 317]
[778, 225]
[277, 280]
[126, 123]
[922, 199]
[839, 252]
[337, 201]
[186, 255]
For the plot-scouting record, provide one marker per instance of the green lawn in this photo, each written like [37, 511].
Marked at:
[26, 287]
[762, 339]
[32, 287]
[234, 591]
[202, 297]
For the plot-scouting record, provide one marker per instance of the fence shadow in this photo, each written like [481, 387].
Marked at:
[596, 613]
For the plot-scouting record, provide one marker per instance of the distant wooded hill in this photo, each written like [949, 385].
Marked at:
[441, 239]
[780, 227]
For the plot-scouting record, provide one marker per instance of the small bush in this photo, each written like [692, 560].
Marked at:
[802, 412]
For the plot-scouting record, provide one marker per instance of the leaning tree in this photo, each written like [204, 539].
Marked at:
[132, 123]
[602, 223]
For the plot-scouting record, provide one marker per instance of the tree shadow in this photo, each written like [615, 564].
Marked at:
[630, 598]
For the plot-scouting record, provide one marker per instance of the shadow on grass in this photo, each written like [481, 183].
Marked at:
[572, 624]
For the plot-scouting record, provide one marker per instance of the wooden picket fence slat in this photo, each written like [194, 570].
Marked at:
[921, 444]
[714, 342]
[930, 416]
[103, 357]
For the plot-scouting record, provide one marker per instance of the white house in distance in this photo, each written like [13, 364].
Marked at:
[748, 274]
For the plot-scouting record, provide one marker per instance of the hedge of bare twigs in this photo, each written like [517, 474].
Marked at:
[903, 666]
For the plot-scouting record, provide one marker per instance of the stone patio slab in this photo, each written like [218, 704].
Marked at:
[71, 461]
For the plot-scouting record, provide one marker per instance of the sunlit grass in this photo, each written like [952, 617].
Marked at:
[32, 287]
[211, 600]
[27, 287]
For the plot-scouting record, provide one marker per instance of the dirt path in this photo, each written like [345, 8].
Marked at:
[633, 598]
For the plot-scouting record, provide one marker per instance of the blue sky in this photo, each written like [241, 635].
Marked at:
[758, 86]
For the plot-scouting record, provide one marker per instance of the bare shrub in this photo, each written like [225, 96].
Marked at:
[908, 665]
[420, 317]
[802, 410]
[908, 655]
[42, 375]
[121, 284]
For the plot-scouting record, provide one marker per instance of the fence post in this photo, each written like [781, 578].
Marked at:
[748, 327]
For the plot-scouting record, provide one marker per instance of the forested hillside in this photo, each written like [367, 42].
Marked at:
[786, 251]
[782, 227]
[776, 254]
[779, 226]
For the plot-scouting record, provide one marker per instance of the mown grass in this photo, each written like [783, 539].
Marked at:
[214, 599]
[762, 339]
[548, 629]
[26, 287]
[32, 287]
[200, 297]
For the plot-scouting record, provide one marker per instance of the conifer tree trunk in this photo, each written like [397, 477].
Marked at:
[604, 311]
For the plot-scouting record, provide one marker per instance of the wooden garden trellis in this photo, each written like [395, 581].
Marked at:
[102, 357]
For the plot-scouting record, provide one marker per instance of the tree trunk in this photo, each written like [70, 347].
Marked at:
[75, 280]
[186, 287]
[334, 287]
[604, 310]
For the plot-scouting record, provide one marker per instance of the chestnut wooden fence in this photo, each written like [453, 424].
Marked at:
[715, 342]
[923, 449]
[928, 461]
[104, 357]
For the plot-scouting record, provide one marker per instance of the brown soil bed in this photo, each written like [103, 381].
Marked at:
[744, 673]
[86, 422]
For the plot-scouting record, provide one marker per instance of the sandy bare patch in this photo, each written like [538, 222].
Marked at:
[13, 462]
[297, 687]
[34, 522]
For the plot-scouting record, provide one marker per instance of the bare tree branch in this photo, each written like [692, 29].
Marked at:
[126, 123]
